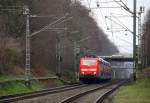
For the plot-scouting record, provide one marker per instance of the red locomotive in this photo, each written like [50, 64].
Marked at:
[95, 69]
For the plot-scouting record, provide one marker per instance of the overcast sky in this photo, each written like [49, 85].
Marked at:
[118, 24]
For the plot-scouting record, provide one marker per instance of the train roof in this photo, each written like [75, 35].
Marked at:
[97, 58]
[102, 60]
[88, 58]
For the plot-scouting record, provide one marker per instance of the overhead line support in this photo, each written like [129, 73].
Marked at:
[134, 39]
[28, 61]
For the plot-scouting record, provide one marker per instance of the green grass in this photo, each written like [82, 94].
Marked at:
[6, 77]
[58, 83]
[18, 87]
[15, 87]
[138, 92]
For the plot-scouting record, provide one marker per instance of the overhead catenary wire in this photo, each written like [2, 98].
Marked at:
[117, 30]
[120, 24]
[79, 41]
[123, 45]
[11, 9]
[123, 6]
[102, 15]
[105, 7]
[107, 14]
[65, 20]
[126, 49]
[124, 40]
[49, 25]
[121, 15]
[89, 4]
[108, 1]
[7, 6]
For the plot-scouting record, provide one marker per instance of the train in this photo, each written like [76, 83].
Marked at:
[94, 69]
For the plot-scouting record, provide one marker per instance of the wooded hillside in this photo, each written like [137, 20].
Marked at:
[43, 45]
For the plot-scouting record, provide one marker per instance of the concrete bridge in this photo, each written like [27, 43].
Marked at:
[122, 67]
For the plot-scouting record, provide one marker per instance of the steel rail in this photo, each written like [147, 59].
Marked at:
[22, 96]
[72, 98]
[100, 99]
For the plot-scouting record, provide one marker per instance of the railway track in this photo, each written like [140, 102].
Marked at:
[95, 95]
[77, 93]
[17, 97]
[109, 91]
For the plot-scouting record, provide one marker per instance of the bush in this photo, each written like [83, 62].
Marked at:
[10, 55]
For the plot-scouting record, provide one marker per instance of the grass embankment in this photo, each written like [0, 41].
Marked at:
[16, 86]
[138, 92]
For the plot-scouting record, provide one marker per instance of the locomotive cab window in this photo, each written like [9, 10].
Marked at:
[89, 62]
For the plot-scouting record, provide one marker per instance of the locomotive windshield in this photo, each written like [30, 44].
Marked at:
[88, 62]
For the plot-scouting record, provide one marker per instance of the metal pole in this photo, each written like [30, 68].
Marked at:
[27, 65]
[75, 60]
[140, 43]
[58, 55]
[134, 38]
[139, 40]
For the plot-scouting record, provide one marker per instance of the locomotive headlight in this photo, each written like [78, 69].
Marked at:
[82, 72]
[94, 72]
[84, 69]
[92, 69]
